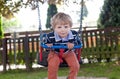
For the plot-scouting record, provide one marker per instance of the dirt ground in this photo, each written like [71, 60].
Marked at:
[84, 78]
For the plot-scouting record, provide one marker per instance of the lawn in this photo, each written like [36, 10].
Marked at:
[109, 70]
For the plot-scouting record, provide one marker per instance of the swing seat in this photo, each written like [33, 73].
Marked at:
[42, 55]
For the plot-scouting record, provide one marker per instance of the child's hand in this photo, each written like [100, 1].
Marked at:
[49, 45]
[70, 45]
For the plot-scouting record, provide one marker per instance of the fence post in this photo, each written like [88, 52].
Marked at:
[4, 53]
[26, 51]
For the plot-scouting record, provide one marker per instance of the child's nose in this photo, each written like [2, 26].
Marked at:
[63, 29]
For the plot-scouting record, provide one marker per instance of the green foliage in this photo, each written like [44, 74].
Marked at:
[9, 23]
[52, 10]
[1, 31]
[7, 8]
[110, 14]
[20, 57]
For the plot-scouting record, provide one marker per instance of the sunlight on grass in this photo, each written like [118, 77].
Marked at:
[109, 70]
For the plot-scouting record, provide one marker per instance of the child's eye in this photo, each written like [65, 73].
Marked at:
[66, 26]
[59, 27]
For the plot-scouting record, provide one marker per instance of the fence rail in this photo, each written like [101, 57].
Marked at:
[22, 49]
[101, 43]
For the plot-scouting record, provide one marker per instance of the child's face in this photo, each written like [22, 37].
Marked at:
[62, 30]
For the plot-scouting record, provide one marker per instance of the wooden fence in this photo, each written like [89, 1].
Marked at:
[101, 43]
[22, 49]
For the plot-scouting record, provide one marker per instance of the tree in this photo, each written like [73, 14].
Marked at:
[110, 14]
[1, 31]
[7, 8]
[52, 10]
[7, 25]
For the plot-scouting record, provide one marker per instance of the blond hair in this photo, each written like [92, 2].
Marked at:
[61, 19]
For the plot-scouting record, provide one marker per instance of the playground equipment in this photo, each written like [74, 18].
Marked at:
[42, 55]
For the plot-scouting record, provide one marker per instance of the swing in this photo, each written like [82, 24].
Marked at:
[42, 55]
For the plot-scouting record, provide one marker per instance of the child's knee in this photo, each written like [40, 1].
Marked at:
[76, 67]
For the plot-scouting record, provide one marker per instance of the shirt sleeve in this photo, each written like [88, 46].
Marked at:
[47, 38]
[77, 40]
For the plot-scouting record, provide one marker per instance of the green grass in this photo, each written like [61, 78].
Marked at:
[109, 70]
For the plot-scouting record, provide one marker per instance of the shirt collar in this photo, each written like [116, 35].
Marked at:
[58, 38]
